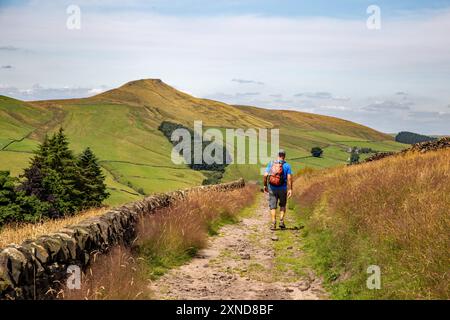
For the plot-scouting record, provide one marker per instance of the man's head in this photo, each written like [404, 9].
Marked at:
[281, 154]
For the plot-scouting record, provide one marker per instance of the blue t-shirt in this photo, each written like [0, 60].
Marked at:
[286, 170]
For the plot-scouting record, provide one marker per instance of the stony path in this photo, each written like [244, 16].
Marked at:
[239, 264]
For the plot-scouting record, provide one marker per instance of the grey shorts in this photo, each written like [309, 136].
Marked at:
[275, 196]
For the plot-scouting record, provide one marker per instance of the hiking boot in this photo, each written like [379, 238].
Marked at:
[273, 226]
[282, 226]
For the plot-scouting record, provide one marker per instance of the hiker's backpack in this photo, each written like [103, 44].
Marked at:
[276, 174]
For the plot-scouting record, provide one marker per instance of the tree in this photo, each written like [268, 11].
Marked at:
[91, 181]
[64, 163]
[354, 158]
[8, 208]
[7, 192]
[31, 209]
[55, 184]
[316, 152]
[33, 175]
[215, 171]
[412, 138]
[33, 182]
[15, 205]
[366, 150]
[52, 176]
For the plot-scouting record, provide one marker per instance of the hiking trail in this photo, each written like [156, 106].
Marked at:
[241, 263]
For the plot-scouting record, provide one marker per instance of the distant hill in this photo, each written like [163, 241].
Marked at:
[121, 127]
[412, 138]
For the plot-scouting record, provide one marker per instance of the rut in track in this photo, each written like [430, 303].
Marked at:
[240, 263]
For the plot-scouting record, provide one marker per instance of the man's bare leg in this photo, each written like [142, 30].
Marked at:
[273, 213]
[282, 213]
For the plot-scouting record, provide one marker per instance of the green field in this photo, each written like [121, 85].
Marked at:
[298, 145]
[121, 127]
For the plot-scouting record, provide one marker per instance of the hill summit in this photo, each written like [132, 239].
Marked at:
[141, 91]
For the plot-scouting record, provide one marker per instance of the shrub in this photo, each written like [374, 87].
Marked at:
[316, 152]
[15, 205]
[354, 158]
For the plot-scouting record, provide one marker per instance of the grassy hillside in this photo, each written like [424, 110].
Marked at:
[399, 222]
[315, 123]
[18, 120]
[121, 127]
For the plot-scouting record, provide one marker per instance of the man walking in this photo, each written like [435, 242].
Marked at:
[278, 183]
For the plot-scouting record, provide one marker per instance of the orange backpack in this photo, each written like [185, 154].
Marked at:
[276, 174]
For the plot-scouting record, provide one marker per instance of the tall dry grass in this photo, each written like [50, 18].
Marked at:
[185, 226]
[19, 232]
[394, 213]
[118, 275]
[166, 239]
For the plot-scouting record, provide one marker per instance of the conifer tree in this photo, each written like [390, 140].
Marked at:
[52, 175]
[7, 193]
[63, 162]
[8, 208]
[33, 175]
[91, 180]
[32, 185]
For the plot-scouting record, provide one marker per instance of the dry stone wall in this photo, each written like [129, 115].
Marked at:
[33, 269]
[422, 147]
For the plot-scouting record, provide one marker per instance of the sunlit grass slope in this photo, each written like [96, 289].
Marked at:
[392, 213]
[19, 119]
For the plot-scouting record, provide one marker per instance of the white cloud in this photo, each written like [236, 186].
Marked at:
[321, 95]
[315, 95]
[8, 48]
[243, 81]
[388, 106]
[96, 90]
[331, 107]
[38, 92]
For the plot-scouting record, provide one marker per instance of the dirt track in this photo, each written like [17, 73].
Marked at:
[240, 264]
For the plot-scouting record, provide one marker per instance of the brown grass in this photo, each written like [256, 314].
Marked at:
[188, 223]
[19, 232]
[393, 213]
[167, 238]
[117, 275]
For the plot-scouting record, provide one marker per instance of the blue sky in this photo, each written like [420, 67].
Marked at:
[328, 8]
[314, 56]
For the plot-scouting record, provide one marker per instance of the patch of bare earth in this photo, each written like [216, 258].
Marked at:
[238, 264]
